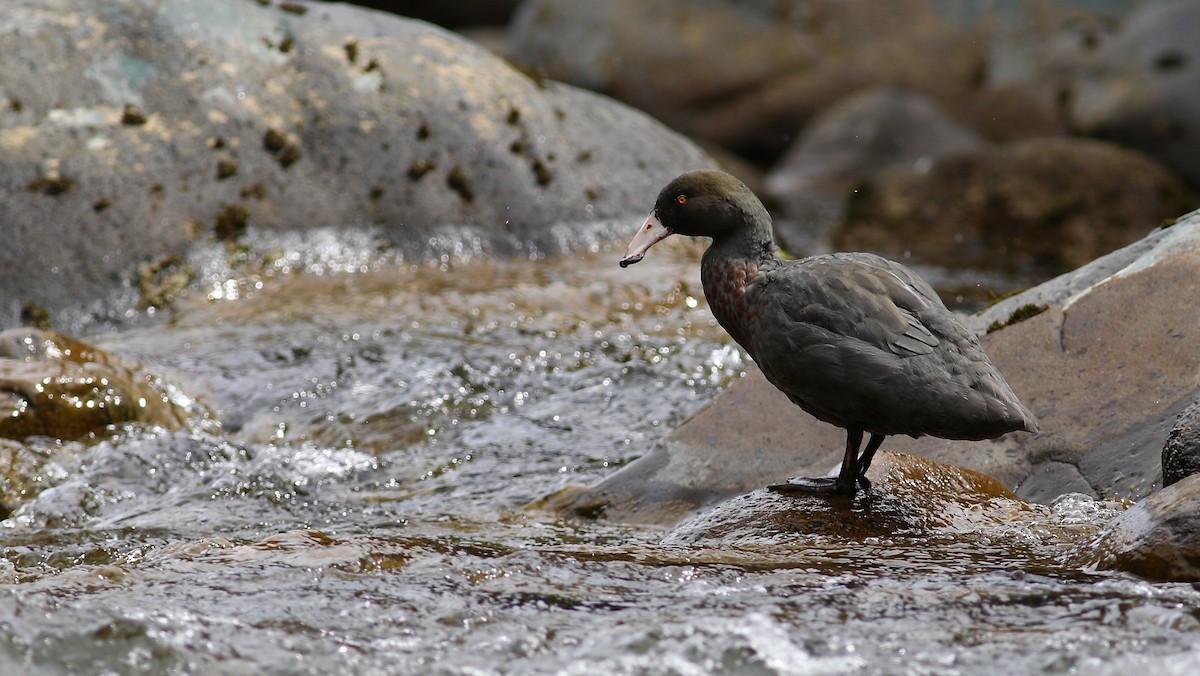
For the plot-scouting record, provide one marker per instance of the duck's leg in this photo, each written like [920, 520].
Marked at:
[868, 454]
[847, 479]
[845, 483]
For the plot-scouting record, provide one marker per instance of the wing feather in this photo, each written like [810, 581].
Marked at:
[864, 297]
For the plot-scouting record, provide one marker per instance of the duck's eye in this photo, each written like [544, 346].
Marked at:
[681, 200]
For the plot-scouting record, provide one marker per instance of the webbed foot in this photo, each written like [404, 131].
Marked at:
[815, 486]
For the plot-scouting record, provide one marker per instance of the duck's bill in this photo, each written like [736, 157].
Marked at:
[652, 232]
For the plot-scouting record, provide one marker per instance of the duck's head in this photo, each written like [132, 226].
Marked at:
[701, 203]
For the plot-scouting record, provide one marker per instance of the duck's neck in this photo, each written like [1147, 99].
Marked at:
[756, 247]
[728, 266]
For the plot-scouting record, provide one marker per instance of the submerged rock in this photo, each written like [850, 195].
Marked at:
[911, 492]
[1158, 538]
[1181, 453]
[55, 389]
[129, 129]
[55, 386]
[1106, 367]
[908, 494]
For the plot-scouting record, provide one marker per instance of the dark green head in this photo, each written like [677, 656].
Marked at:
[701, 203]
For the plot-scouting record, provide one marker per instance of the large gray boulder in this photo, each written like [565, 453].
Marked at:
[130, 127]
[1105, 356]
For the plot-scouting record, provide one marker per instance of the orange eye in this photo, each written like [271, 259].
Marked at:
[681, 200]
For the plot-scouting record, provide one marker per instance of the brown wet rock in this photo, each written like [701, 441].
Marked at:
[1158, 538]
[911, 491]
[1106, 369]
[1048, 205]
[56, 386]
[1181, 453]
[908, 495]
[63, 390]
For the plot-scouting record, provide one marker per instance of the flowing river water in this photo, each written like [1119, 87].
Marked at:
[354, 502]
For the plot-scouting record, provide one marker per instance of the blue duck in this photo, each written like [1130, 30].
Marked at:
[854, 339]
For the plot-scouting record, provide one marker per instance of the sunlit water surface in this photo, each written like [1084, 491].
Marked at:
[359, 506]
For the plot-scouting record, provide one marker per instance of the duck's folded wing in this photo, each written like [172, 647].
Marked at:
[852, 298]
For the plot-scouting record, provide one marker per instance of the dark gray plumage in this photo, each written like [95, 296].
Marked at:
[856, 340]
